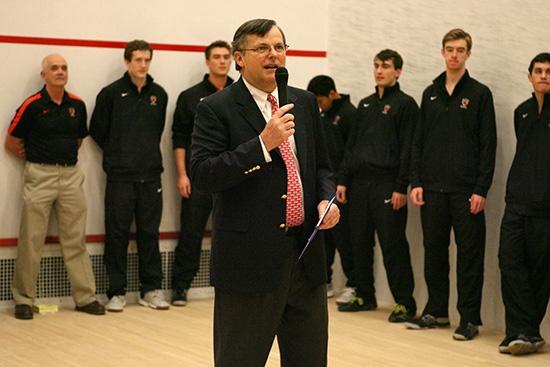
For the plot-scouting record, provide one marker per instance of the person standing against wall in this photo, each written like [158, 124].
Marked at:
[452, 166]
[195, 205]
[127, 124]
[376, 169]
[524, 253]
[337, 114]
[47, 132]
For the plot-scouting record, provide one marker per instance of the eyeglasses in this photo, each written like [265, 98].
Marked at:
[264, 49]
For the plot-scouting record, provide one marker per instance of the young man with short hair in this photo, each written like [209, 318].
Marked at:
[195, 206]
[452, 166]
[376, 171]
[337, 114]
[127, 124]
[524, 253]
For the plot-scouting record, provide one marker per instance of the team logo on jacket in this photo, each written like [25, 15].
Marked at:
[153, 100]
[72, 112]
[386, 109]
[336, 120]
[464, 103]
[45, 111]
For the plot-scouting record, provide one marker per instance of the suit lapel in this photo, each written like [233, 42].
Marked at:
[249, 110]
[247, 107]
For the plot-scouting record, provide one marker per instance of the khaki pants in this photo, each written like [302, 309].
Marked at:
[48, 186]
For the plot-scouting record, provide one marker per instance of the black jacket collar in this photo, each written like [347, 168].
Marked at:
[388, 91]
[441, 79]
[130, 84]
[211, 87]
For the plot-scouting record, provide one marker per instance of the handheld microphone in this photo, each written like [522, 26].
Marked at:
[281, 77]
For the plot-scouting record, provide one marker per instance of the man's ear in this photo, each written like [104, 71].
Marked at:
[239, 59]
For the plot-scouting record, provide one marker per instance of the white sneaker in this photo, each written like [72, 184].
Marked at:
[346, 296]
[155, 300]
[116, 304]
[330, 290]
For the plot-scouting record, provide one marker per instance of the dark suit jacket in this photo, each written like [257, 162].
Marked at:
[248, 241]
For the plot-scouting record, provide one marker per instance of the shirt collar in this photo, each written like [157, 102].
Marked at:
[47, 99]
[259, 95]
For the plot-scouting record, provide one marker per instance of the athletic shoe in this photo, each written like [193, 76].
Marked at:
[116, 304]
[358, 304]
[538, 341]
[517, 345]
[427, 322]
[466, 331]
[504, 346]
[400, 313]
[155, 300]
[179, 298]
[92, 308]
[347, 294]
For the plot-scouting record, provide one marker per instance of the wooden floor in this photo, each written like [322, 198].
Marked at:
[140, 337]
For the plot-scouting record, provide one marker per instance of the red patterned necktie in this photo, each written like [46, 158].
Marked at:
[294, 216]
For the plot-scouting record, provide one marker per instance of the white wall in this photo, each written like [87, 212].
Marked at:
[168, 21]
[507, 34]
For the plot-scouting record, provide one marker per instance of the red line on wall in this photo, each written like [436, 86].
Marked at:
[118, 44]
[121, 44]
[96, 238]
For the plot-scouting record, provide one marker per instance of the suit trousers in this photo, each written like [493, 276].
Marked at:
[370, 212]
[59, 187]
[524, 257]
[245, 324]
[338, 238]
[440, 213]
[195, 211]
[125, 200]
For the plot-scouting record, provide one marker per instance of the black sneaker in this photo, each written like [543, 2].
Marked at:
[517, 345]
[179, 298]
[538, 341]
[357, 304]
[400, 313]
[427, 322]
[92, 308]
[504, 346]
[466, 331]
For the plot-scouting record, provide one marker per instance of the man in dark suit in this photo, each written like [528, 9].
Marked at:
[240, 153]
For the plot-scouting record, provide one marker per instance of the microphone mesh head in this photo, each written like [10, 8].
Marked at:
[281, 75]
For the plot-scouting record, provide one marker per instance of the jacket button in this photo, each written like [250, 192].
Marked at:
[283, 196]
[257, 167]
[282, 226]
